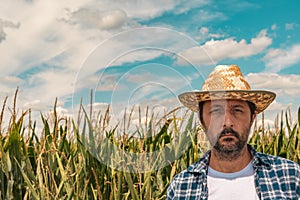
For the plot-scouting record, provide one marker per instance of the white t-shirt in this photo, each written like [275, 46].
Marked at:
[232, 186]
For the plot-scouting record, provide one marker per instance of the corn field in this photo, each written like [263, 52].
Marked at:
[89, 159]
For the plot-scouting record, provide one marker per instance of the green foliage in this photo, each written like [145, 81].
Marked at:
[68, 159]
[282, 140]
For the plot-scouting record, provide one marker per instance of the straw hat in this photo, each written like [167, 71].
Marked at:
[227, 82]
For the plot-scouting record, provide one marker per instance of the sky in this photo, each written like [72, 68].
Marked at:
[144, 53]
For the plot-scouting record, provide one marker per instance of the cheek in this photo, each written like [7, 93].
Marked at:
[246, 131]
[212, 134]
[214, 123]
[207, 120]
[212, 139]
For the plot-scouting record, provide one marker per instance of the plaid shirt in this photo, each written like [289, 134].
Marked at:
[275, 178]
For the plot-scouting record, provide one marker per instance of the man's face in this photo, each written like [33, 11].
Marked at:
[227, 124]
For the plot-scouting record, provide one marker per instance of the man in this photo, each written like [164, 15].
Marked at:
[232, 169]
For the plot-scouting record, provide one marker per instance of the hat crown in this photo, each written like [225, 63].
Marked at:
[227, 82]
[225, 77]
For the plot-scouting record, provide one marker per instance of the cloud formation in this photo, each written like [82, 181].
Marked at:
[279, 59]
[217, 50]
[46, 44]
[92, 18]
[6, 24]
[286, 88]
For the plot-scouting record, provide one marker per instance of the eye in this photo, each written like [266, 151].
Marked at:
[216, 110]
[237, 110]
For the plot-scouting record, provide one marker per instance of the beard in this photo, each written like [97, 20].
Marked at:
[230, 149]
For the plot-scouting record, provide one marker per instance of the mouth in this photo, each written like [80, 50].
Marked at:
[228, 132]
[228, 136]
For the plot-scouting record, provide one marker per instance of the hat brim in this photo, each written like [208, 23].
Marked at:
[261, 98]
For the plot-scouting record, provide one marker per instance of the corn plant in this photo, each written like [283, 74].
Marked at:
[282, 140]
[92, 158]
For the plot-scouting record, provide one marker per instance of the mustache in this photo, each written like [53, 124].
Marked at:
[227, 131]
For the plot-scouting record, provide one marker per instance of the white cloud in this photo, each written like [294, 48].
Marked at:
[204, 34]
[6, 24]
[137, 54]
[138, 112]
[37, 34]
[92, 18]
[63, 34]
[131, 46]
[204, 30]
[286, 88]
[40, 37]
[184, 6]
[278, 59]
[290, 26]
[145, 10]
[99, 105]
[13, 80]
[283, 84]
[216, 50]
[43, 88]
[274, 27]
[33, 104]
[136, 9]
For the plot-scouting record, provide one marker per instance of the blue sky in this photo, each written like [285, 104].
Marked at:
[144, 52]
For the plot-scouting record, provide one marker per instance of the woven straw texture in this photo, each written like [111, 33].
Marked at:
[227, 82]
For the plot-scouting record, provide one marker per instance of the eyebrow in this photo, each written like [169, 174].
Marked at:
[213, 106]
[238, 106]
[221, 106]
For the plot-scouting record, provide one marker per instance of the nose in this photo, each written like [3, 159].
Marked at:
[228, 120]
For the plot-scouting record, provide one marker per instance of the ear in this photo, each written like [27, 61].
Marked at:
[201, 121]
[198, 113]
[253, 117]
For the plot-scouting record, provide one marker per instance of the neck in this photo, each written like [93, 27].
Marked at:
[230, 163]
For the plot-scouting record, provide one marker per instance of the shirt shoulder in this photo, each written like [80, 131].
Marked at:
[189, 173]
[278, 176]
[189, 183]
[277, 162]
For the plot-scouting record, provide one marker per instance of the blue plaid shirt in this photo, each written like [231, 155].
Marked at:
[275, 178]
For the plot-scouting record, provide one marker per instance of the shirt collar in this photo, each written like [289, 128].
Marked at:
[259, 160]
[200, 166]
